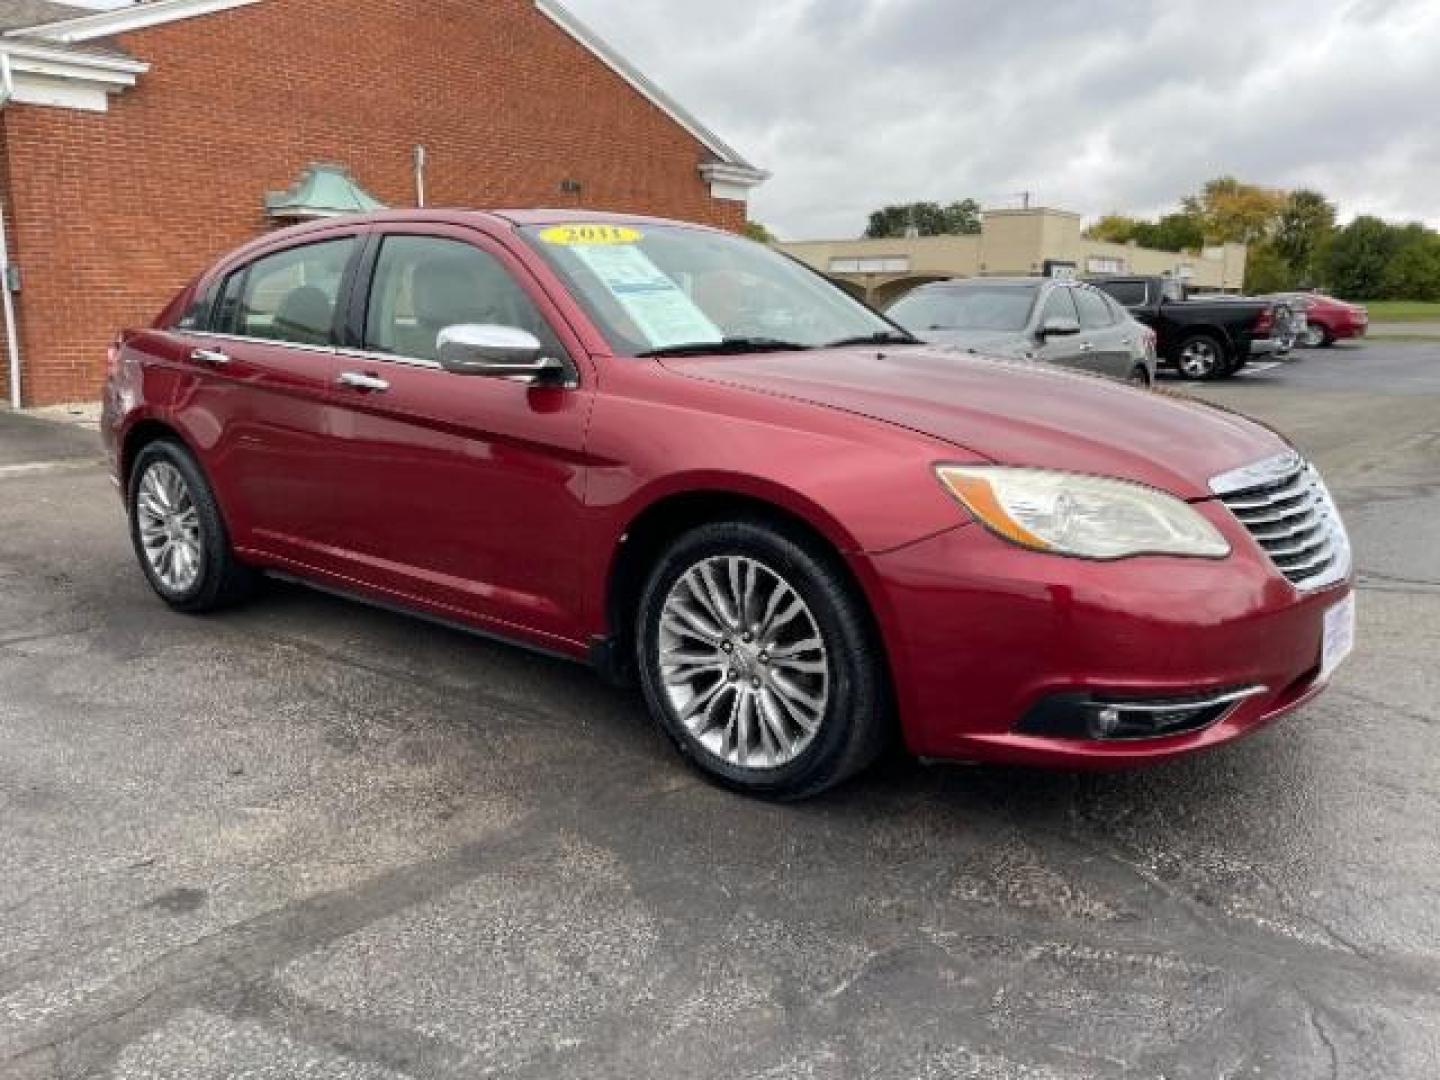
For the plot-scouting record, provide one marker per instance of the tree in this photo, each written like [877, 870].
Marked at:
[1413, 272]
[1173, 232]
[1115, 229]
[1231, 212]
[1358, 257]
[1179, 232]
[927, 218]
[1303, 232]
[756, 231]
[1266, 270]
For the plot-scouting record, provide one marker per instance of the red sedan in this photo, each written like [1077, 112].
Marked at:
[1328, 320]
[695, 464]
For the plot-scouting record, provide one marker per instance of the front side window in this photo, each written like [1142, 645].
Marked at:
[967, 307]
[425, 283]
[289, 296]
[652, 288]
[1094, 312]
[1060, 304]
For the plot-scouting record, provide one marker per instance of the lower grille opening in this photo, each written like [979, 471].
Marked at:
[1111, 719]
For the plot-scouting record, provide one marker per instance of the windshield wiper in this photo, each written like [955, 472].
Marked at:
[727, 345]
[884, 337]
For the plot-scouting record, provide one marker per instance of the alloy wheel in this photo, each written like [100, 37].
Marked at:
[743, 662]
[169, 526]
[1198, 359]
[1314, 335]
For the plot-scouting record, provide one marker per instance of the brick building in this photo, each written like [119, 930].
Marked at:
[140, 141]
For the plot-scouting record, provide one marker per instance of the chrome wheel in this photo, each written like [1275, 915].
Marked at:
[169, 527]
[743, 662]
[1314, 336]
[1199, 358]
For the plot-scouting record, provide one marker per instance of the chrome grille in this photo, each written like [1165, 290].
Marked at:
[1285, 506]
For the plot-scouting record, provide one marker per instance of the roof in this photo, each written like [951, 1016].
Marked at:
[18, 14]
[24, 15]
[322, 191]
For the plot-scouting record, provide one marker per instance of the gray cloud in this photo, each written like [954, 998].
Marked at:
[1098, 106]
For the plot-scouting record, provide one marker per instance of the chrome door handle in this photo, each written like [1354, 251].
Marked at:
[358, 381]
[213, 357]
[1086, 346]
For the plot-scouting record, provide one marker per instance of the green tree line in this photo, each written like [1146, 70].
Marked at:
[1294, 241]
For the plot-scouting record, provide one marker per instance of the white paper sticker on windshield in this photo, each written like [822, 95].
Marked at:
[657, 306]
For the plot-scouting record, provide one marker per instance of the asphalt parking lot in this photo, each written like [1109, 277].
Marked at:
[309, 839]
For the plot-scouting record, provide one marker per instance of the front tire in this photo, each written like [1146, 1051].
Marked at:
[1201, 357]
[758, 660]
[178, 533]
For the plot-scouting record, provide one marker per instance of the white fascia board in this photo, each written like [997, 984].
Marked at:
[557, 13]
[126, 19]
[731, 182]
[64, 78]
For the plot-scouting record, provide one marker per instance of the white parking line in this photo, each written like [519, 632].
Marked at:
[42, 468]
[1256, 369]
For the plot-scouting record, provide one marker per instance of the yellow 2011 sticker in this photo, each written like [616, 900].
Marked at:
[587, 235]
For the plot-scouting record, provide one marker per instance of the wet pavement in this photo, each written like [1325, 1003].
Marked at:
[309, 839]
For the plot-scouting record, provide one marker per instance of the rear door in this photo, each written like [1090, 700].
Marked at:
[258, 397]
[462, 493]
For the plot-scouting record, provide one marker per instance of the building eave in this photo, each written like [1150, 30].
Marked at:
[557, 13]
[39, 73]
[125, 20]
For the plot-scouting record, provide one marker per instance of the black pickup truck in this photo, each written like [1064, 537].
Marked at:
[1209, 338]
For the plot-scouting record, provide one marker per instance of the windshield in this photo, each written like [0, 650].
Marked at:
[969, 307]
[653, 289]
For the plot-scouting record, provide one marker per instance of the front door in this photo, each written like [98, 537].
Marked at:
[1101, 335]
[1064, 349]
[462, 493]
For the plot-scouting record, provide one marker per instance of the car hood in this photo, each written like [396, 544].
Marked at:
[993, 342]
[1011, 412]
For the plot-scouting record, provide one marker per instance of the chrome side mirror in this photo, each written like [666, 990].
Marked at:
[1059, 326]
[496, 351]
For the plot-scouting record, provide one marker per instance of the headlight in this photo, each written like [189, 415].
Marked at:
[1090, 516]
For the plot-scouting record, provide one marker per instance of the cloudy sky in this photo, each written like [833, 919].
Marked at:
[1092, 105]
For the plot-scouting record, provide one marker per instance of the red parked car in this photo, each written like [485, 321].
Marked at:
[1328, 320]
[690, 461]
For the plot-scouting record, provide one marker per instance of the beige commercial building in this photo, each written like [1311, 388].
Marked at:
[1034, 241]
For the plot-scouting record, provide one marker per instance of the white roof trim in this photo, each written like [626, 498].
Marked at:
[50, 60]
[39, 73]
[562, 17]
[124, 20]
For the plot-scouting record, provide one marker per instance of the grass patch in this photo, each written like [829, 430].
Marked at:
[1403, 311]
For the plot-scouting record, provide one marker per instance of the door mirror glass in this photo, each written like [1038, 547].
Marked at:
[1059, 326]
[487, 349]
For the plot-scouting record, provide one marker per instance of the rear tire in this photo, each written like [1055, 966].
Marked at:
[758, 660]
[178, 534]
[1317, 337]
[1201, 357]
[1140, 377]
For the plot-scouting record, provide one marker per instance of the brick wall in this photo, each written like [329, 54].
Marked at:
[112, 212]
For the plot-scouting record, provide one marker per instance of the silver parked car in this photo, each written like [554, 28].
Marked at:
[1032, 318]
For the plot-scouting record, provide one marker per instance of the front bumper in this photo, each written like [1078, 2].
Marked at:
[980, 632]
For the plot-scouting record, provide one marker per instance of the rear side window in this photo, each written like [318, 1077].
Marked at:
[425, 283]
[1094, 312]
[1129, 293]
[289, 296]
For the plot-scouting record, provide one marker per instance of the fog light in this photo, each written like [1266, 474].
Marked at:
[1091, 716]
